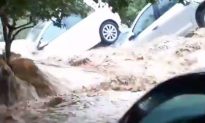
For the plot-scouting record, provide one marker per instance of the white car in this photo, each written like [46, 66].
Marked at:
[166, 17]
[77, 35]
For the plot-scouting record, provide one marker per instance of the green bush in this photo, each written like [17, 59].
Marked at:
[132, 11]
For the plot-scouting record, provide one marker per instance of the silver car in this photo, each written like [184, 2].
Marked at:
[166, 17]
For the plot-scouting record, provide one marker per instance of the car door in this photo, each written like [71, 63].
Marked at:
[144, 28]
[175, 18]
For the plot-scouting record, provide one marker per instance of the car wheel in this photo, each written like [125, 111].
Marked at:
[109, 32]
[201, 18]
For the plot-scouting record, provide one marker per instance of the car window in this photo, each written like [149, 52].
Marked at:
[35, 31]
[53, 31]
[176, 86]
[165, 5]
[71, 20]
[146, 19]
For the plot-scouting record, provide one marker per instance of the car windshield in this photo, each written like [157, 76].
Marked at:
[151, 14]
[50, 31]
[53, 31]
[186, 108]
[35, 31]
[187, 84]
[146, 19]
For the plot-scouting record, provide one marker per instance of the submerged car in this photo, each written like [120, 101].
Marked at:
[77, 33]
[101, 26]
[166, 17]
[180, 99]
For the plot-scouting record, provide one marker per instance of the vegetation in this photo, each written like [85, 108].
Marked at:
[132, 11]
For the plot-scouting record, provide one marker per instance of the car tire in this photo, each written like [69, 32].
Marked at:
[109, 32]
[201, 18]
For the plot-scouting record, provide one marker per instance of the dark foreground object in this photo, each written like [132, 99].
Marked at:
[177, 100]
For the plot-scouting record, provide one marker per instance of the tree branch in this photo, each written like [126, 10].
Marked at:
[2, 10]
[5, 18]
[10, 26]
[19, 30]
[4, 26]
[10, 31]
[14, 23]
[23, 25]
